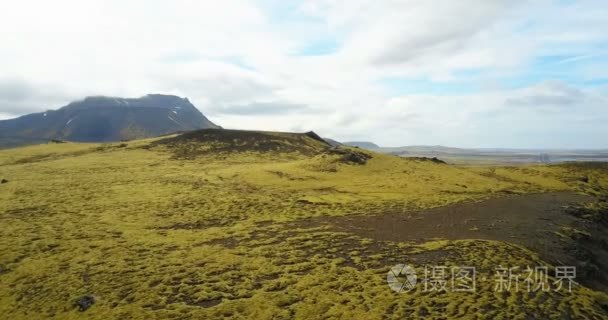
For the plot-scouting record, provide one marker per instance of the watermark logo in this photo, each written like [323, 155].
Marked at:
[401, 278]
[534, 279]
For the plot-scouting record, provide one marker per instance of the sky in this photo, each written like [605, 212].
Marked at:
[466, 73]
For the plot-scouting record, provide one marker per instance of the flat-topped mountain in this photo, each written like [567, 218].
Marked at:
[104, 119]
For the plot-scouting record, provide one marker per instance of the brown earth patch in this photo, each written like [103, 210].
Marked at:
[543, 223]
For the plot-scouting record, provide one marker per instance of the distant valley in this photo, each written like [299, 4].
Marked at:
[489, 155]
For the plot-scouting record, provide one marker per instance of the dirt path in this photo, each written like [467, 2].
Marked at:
[539, 222]
[512, 218]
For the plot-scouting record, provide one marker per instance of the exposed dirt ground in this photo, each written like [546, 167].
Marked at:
[543, 223]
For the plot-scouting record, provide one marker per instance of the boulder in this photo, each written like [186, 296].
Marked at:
[85, 302]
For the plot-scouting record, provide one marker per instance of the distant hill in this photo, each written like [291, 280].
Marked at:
[362, 144]
[212, 141]
[332, 142]
[105, 119]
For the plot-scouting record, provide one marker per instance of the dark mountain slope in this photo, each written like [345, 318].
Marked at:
[200, 142]
[102, 119]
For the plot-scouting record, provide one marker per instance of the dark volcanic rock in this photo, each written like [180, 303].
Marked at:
[85, 302]
[351, 156]
[433, 159]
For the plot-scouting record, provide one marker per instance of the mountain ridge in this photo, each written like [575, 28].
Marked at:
[105, 119]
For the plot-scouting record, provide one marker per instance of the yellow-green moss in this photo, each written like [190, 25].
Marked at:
[151, 236]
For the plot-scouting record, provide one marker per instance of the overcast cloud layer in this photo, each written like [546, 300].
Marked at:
[467, 73]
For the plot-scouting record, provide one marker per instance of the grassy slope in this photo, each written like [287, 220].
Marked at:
[155, 236]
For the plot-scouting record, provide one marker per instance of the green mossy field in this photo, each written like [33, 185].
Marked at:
[208, 228]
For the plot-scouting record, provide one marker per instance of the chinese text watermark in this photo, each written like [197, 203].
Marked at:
[403, 278]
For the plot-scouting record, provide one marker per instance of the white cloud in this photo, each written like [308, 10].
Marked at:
[549, 94]
[242, 54]
[551, 114]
